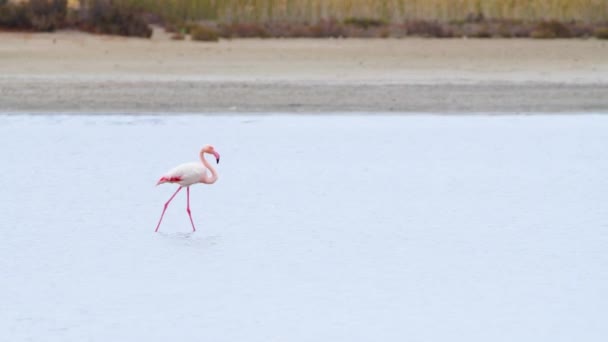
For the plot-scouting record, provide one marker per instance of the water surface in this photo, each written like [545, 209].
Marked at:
[338, 228]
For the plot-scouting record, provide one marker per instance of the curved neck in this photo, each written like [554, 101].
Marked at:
[213, 178]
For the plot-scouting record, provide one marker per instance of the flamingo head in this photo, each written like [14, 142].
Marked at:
[211, 150]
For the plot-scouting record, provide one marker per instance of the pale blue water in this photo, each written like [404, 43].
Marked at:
[332, 228]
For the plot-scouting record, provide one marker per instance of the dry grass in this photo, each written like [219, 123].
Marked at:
[394, 11]
[317, 18]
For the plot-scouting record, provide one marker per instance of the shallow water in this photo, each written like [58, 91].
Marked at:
[337, 228]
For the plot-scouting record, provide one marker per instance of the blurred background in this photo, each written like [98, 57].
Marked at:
[315, 18]
[305, 55]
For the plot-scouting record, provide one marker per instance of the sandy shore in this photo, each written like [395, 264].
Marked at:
[75, 72]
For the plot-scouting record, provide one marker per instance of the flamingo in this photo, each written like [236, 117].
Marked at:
[188, 174]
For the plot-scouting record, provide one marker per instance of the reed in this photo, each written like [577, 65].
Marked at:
[311, 11]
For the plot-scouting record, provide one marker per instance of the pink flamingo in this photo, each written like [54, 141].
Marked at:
[188, 174]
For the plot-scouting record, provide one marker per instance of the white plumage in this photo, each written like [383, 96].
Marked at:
[187, 173]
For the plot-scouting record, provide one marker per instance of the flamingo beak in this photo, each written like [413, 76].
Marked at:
[217, 157]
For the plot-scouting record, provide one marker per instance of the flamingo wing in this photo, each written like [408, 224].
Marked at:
[185, 174]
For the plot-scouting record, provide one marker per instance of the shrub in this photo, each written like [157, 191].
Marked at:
[364, 22]
[475, 17]
[601, 32]
[505, 31]
[482, 31]
[170, 27]
[327, 29]
[244, 30]
[581, 29]
[204, 33]
[38, 15]
[14, 16]
[542, 34]
[47, 15]
[182, 27]
[110, 17]
[427, 29]
[551, 29]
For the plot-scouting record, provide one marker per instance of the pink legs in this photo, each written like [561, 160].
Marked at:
[167, 204]
[188, 207]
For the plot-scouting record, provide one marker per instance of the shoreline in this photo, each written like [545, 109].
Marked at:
[72, 72]
[239, 97]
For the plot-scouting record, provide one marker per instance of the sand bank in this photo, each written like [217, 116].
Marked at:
[75, 72]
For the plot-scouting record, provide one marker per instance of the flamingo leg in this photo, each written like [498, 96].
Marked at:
[188, 207]
[165, 209]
